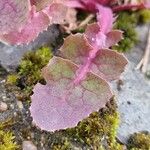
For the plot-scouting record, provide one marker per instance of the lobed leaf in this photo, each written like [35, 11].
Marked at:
[61, 104]
[106, 63]
[37, 22]
[96, 37]
[13, 14]
[57, 13]
[76, 48]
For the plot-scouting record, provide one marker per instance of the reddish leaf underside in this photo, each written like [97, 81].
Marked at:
[60, 104]
[13, 14]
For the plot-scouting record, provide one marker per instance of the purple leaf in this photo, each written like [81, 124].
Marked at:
[61, 104]
[95, 36]
[73, 91]
[13, 14]
[57, 13]
[76, 48]
[105, 63]
[108, 64]
[37, 22]
[113, 37]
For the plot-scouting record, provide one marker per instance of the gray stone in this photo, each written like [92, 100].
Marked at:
[134, 97]
[11, 55]
[7, 103]
[3, 106]
[28, 145]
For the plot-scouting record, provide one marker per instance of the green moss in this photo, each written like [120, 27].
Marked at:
[34, 61]
[127, 22]
[139, 141]
[7, 123]
[7, 141]
[62, 145]
[144, 16]
[12, 79]
[98, 131]
[29, 71]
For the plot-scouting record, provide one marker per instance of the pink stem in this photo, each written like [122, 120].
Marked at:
[128, 7]
[82, 71]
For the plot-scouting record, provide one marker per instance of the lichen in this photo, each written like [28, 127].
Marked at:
[139, 141]
[7, 141]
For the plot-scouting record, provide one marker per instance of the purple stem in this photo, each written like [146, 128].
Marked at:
[128, 7]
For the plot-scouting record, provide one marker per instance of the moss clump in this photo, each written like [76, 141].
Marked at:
[62, 145]
[29, 71]
[12, 79]
[127, 22]
[144, 16]
[139, 141]
[98, 131]
[32, 63]
[7, 141]
[7, 123]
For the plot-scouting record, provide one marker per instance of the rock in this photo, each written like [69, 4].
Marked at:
[7, 100]
[28, 145]
[3, 106]
[134, 96]
[11, 55]
[20, 105]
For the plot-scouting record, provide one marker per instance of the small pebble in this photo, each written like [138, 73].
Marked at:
[20, 105]
[3, 107]
[28, 145]
[12, 106]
